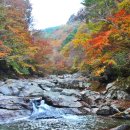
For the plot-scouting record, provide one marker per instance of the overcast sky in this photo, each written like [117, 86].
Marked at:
[48, 13]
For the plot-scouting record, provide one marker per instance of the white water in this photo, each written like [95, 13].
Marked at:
[43, 107]
[35, 110]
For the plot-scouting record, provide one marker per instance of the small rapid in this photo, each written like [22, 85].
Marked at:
[54, 103]
[41, 110]
[45, 117]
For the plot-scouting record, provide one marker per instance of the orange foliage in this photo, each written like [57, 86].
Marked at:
[120, 24]
[100, 40]
[97, 44]
[4, 50]
[43, 50]
[101, 47]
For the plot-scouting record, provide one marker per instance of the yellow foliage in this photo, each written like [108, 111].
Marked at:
[99, 71]
[65, 50]
[80, 39]
[110, 62]
[25, 65]
[125, 4]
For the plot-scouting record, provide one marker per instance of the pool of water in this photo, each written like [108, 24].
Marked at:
[68, 122]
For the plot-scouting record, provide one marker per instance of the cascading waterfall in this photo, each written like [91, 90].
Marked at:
[35, 110]
[40, 108]
[43, 107]
[44, 111]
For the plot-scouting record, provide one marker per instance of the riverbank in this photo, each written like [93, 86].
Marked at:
[54, 97]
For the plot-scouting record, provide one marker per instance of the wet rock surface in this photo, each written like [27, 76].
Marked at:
[55, 96]
[122, 127]
[58, 92]
[106, 110]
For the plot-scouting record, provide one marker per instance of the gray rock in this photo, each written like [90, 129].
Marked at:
[5, 90]
[110, 85]
[12, 108]
[117, 94]
[106, 110]
[122, 127]
[91, 97]
[10, 115]
[118, 89]
[56, 99]
[44, 82]
[76, 75]
[20, 88]
[94, 110]
[57, 89]
[31, 90]
[13, 103]
[70, 92]
[19, 93]
[68, 83]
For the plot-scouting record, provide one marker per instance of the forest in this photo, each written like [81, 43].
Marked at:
[95, 42]
[74, 76]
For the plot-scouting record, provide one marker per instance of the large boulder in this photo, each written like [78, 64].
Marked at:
[113, 91]
[91, 97]
[60, 100]
[12, 108]
[14, 103]
[75, 81]
[106, 110]
[20, 88]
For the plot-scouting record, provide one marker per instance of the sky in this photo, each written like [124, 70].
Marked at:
[49, 13]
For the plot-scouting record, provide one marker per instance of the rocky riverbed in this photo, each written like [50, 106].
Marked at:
[61, 100]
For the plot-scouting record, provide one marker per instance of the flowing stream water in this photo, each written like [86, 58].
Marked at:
[68, 122]
[46, 117]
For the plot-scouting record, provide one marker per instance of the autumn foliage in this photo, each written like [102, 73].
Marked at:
[16, 44]
[106, 37]
[113, 38]
[102, 41]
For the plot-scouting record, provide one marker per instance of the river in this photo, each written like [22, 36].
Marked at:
[68, 122]
[54, 103]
